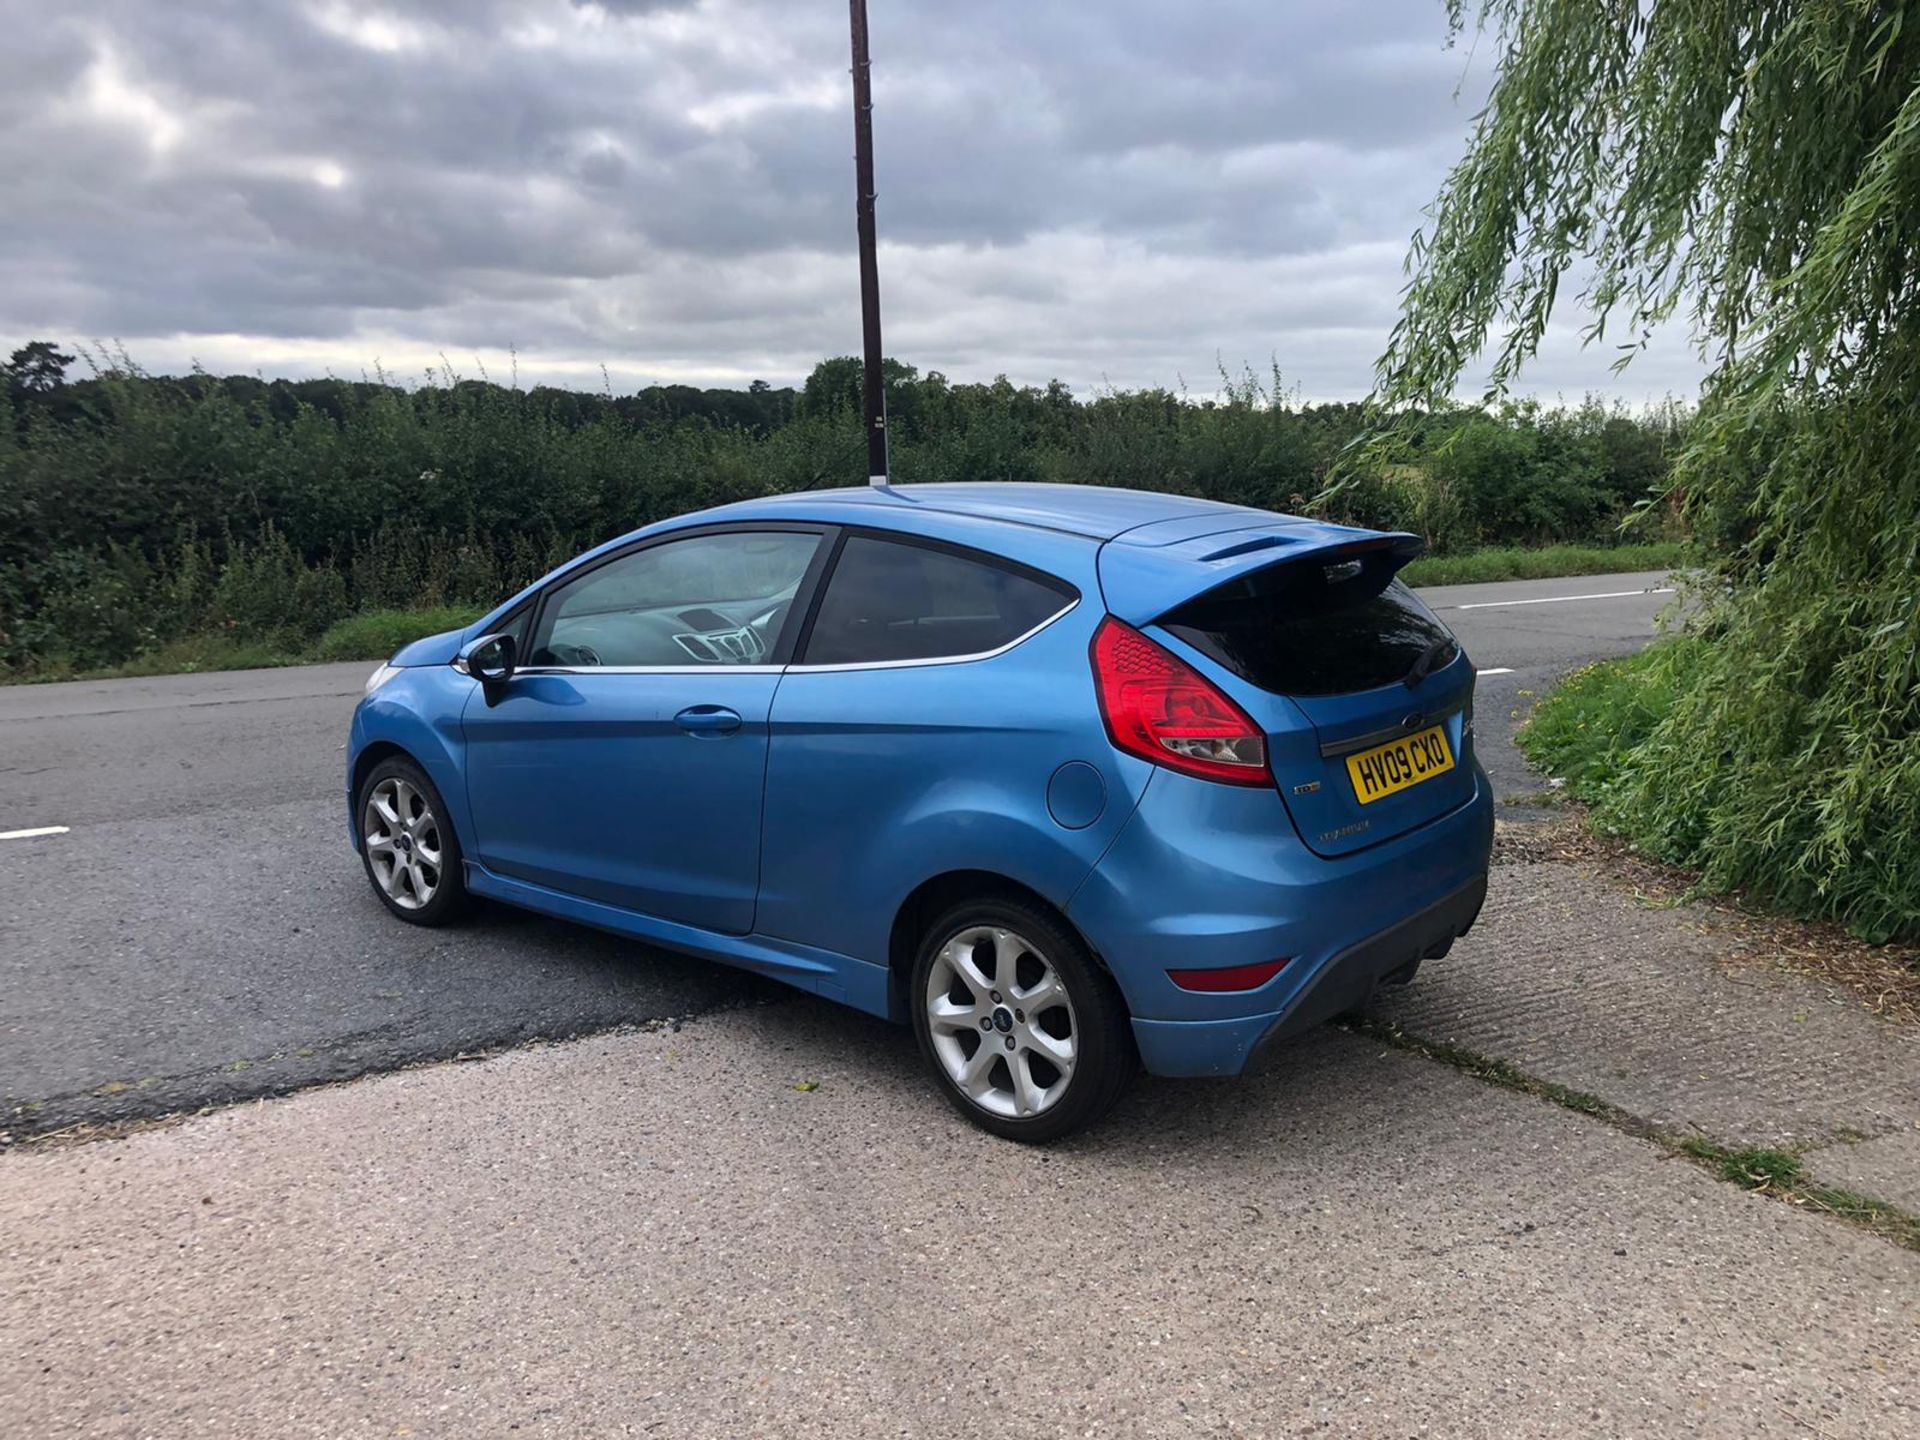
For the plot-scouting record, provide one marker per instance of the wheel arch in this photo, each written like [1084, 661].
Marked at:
[370, 756]
[415, 717]
[947, 889]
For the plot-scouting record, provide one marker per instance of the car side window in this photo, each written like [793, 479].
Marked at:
[723, 598]
[888, 600]
[516, 626]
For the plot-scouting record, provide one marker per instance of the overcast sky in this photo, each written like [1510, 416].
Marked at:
[1128, 192]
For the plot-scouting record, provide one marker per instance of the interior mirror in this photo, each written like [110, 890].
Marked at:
[490, 659]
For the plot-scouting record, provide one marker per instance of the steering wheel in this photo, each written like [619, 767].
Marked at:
[565, 654]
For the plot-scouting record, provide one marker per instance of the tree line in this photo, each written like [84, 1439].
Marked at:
[136, 509]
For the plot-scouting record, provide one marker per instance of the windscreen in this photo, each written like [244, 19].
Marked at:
[1316, 627]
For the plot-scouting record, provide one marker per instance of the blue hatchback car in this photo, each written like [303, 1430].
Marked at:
[1072, 779]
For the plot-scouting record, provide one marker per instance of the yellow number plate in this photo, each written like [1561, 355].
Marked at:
[1399, 764]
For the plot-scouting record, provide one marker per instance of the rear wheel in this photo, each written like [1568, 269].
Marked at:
[1025, 1033]
[407, 844]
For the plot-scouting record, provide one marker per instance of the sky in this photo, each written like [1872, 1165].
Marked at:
[1121, 194]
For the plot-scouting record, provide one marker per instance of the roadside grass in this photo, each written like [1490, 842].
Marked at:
[190, 656]
[1816, 832]
[1777, 1174]
[1516, 563]
[1583, 730]
[378, 633]
[372, 636]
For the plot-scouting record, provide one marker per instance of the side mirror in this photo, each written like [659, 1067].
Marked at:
[491, 658]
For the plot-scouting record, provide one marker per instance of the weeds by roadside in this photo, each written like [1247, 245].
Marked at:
[377, 634]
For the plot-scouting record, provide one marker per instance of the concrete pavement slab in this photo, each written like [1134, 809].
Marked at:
[1887, 1168]
[1572, 979]
[659, 1234]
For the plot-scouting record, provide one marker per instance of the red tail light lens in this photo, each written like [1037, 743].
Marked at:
[1160, 708]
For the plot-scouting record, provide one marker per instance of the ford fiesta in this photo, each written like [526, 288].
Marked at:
[1072, 779]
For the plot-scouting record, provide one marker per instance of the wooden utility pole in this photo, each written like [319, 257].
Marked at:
[874, 390]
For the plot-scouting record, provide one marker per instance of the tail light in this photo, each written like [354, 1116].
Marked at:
[1160, 708]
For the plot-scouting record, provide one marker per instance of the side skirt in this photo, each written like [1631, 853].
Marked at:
[833, 976]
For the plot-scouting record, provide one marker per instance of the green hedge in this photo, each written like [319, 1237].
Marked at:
[137, 512]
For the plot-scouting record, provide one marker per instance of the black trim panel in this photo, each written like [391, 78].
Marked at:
[1346, 980]
[1334, 749]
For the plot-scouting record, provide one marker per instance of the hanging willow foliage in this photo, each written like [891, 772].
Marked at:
[1754, 167]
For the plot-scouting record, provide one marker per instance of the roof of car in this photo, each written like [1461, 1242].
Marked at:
[1094, 511]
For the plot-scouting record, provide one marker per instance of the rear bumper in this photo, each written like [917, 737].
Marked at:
[1346, 980]
[1246, 1044]
[1210, 876]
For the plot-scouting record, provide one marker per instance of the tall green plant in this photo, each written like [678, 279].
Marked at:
[1755, 165]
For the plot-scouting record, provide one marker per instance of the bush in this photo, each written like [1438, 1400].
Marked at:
[90, 609]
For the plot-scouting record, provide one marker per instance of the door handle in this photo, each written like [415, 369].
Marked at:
[708, 720]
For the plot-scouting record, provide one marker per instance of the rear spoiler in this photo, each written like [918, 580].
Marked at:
[1142, 580]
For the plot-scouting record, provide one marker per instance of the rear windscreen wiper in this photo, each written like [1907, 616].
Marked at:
[1430, 659]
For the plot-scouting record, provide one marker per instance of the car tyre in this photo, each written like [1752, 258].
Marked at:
[407, 845]
[1025, 1032]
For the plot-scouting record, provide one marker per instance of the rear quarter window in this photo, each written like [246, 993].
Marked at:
[1303, 629]
[888, 601]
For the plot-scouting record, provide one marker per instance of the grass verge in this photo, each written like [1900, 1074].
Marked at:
[1698, 766]
[1777, 1174]
[1583, 731]
[371, 636]
[1515, 563]
[378, 633]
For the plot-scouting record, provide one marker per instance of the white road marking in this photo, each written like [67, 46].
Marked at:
[1497, 670]
[1561, 599]
[29, 834]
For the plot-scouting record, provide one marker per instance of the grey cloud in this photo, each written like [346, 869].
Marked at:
[632, 7]
[1124, 190]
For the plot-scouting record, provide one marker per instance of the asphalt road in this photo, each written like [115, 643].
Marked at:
[201, 932]
[1525, 634]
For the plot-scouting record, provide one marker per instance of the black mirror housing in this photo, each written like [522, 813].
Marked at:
[491, 659]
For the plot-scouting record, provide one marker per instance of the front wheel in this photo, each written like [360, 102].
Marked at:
[407, 844]
[1026, 1034]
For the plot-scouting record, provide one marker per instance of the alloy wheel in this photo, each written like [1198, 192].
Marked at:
[1001, 1023]
[402, 838]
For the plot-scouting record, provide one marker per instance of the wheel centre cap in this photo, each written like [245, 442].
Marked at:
[405, 842]
[1003, 1020]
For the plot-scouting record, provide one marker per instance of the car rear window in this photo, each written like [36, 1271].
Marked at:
[1309, 628]
[892, 601]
